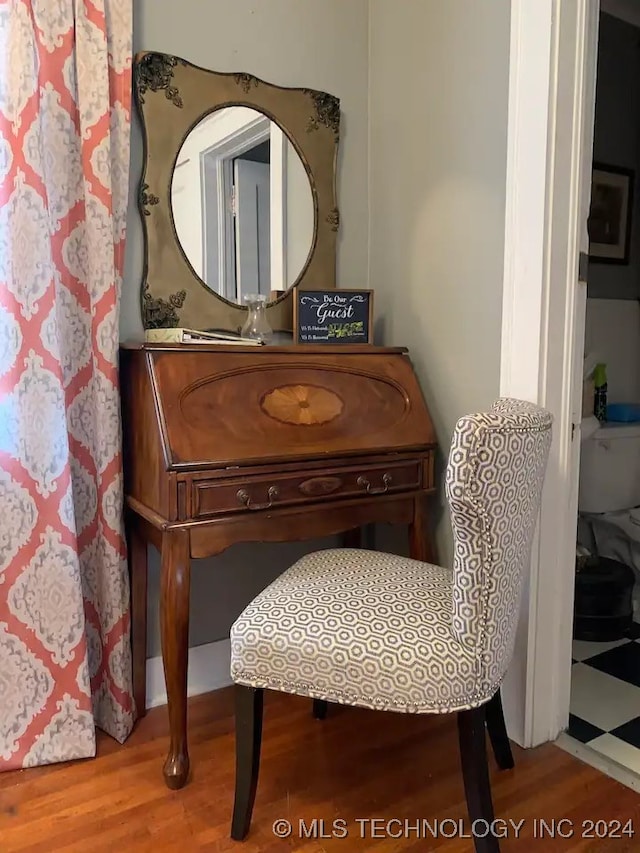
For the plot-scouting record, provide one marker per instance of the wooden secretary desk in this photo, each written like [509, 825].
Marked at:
[226, 444]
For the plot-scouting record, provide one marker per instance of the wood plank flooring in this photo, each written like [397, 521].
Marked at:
[353, 767]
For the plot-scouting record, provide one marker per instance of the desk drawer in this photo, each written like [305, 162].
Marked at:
[260, 492]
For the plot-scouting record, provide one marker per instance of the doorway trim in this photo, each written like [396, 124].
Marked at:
[216, 170]
[550, 136]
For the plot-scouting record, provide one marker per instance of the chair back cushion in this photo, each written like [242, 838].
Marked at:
[493, 484]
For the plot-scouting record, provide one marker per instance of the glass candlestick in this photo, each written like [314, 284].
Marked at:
[257, 326]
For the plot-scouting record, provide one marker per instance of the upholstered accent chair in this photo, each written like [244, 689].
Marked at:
[380, 631]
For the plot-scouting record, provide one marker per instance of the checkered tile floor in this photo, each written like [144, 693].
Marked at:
[605, 698]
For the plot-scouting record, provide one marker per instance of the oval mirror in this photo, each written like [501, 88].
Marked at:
[242, 205]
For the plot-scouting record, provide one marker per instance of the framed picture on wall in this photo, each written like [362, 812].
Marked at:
[610, 214]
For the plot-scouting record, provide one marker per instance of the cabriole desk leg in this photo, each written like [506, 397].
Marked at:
[421, 544]
[137, 545]
[174, 629]
[352, 538]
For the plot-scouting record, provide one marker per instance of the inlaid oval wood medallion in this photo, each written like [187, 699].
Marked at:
[302, 405]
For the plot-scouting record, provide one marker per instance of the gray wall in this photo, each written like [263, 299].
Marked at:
[289, 42]
[617, 142]
[422, 175]
[438, 140]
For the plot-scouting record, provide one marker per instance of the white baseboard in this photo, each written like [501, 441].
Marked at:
[208, 670]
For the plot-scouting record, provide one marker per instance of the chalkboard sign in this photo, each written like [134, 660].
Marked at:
[333, 316]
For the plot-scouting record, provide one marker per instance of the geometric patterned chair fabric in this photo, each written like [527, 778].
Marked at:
[385, 632]
[365, 628]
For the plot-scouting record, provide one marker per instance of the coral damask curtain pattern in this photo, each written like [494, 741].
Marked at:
[65, 97]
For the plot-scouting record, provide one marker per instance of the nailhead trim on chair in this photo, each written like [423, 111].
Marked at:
[342, 698]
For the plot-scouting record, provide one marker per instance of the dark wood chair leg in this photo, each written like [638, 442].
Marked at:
[249, 703]
[319, 709]
[498, 732]
[475, 771]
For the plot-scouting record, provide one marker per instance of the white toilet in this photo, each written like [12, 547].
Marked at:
[609, 496]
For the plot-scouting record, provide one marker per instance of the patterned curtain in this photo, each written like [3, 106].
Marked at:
[65, 661]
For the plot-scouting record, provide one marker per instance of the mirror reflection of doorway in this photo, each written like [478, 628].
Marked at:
[239, 203]
[242, 204]
[252, 214]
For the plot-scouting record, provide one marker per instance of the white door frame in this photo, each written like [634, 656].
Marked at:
[550, 137]
[217, 216]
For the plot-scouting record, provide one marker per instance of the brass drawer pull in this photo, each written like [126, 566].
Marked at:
[365, 484]
[245, 499]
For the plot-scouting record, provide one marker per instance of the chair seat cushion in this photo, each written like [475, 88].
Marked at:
[359, 628]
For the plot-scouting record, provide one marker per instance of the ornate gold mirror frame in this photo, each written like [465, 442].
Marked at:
[172, 96]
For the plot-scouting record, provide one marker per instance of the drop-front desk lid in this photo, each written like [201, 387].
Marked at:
[219, 405]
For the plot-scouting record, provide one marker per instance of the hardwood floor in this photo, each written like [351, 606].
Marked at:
[353, 765]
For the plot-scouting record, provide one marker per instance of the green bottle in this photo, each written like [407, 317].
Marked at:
[600, 392]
